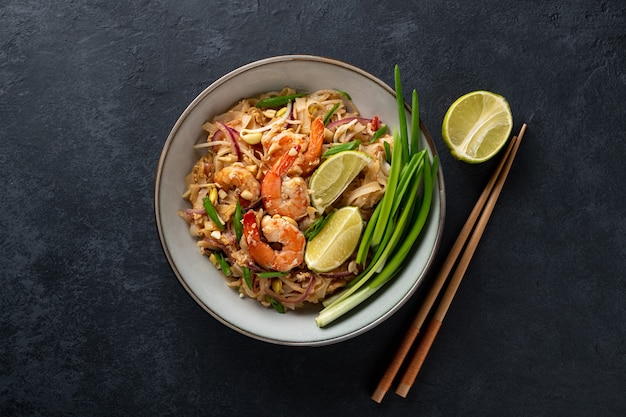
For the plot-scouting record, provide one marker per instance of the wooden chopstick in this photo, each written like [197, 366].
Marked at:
[433, 328]
[496, 180]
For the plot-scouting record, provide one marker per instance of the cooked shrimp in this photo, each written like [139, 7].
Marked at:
[238, 177]
[277, 230]
[283, 195]
[311, 157]
[275, 147]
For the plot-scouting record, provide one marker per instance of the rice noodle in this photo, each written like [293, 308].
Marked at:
[368, 188]
[269, 126]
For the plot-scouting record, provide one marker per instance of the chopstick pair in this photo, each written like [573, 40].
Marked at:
[476, 222]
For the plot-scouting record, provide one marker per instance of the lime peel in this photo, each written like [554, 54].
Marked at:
[336, 242]
[334, 175]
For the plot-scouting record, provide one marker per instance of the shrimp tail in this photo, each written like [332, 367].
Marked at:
[271, 185]
[316, 138]
[313, 153]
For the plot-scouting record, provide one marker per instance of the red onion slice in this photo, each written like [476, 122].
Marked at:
[334, 125]
[232, 134]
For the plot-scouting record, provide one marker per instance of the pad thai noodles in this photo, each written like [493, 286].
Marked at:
[250, 204]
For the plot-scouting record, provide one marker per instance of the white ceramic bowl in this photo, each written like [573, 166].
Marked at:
[195, 272]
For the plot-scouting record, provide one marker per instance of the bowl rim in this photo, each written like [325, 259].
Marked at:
[157, 215]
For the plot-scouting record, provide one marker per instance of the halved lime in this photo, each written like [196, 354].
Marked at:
[334, 244]
[332, 177]
[477, 125]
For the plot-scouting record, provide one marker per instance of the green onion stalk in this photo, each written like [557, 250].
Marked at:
[212, 213]
[277, 101]
[397, 221]
[348, 146]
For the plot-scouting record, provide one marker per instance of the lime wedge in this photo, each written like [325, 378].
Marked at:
[476, 126]
[332, 177]
[334, 244]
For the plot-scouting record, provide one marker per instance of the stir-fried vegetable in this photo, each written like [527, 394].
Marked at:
[210, 211]
[271, 274]
[276, 305]
[348, 146]
[398, 219]
[381, 131]
[317, 226]
[237, 225]
[247, 276]
[330, 113]
[223, 263]
[277, 101]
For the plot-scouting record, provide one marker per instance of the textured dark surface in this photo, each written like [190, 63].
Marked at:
[94, 322]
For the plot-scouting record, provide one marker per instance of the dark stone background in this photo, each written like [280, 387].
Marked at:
[94, 322]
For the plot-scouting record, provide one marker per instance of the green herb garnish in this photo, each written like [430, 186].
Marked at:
[401, 116]
[387, 152]
[277, 101]
[210, 211]
[415, 123]
[345, 94]
[330, 113]
[317, 226]
[348, 146]
[381, 131]
[247, 276]
[237, 216]
[223, 263]
[271, 274]
[277, 305]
